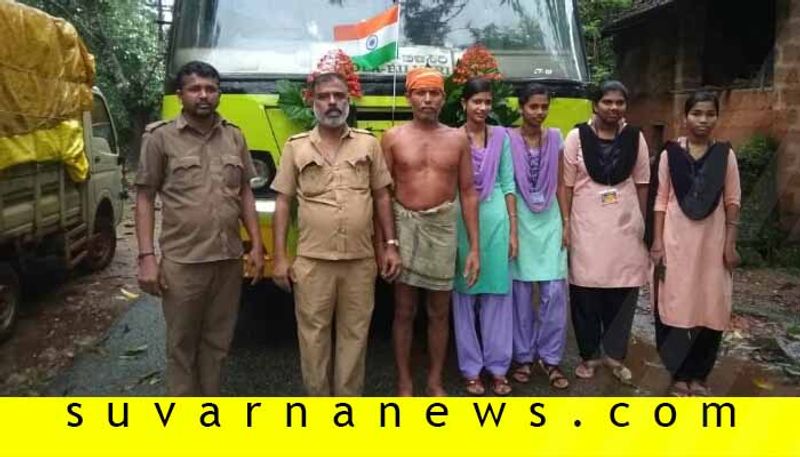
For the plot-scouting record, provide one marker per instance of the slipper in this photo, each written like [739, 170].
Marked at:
[522, 373]
[620, 371]
[474, 387]
[555, 376]
[585, 369]
[500, 386]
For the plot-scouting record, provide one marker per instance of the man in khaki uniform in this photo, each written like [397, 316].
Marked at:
[338, 175]
[200, 166]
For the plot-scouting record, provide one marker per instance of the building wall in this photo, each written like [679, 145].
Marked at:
[659, 61]
[787, 105]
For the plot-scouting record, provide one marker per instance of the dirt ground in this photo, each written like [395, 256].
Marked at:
[64, 316]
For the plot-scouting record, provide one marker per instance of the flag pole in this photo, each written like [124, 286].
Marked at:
[396, 58]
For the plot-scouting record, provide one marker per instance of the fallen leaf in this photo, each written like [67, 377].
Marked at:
[139, 350]
[150, 377]
[128, 295]
[764, 384]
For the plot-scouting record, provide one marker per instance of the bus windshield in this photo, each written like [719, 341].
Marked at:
[532, 39]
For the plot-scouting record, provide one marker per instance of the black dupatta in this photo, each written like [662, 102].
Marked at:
[698, 183]
[617, 165]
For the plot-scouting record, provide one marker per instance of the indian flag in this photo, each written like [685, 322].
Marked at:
[370, 43]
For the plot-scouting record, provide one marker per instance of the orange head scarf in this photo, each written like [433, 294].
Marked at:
[424, 77]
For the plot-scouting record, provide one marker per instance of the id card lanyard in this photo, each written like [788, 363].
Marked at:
[609, 196]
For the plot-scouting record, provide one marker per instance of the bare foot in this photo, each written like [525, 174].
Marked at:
[435, 391]
[405, 390]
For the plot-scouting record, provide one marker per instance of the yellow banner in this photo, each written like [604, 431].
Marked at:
[399, 427]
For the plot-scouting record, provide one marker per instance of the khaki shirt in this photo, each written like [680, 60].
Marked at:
[199, 179]
[334, 199]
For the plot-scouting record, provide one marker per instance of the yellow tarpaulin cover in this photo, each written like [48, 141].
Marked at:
[46, 79]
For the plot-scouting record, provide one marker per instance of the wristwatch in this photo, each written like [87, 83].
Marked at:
[394, 242]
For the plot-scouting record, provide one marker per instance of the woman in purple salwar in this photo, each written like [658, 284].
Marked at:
[487, 345]
[542, 260]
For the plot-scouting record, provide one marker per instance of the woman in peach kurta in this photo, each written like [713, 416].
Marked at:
[604, 189]
[694, 247]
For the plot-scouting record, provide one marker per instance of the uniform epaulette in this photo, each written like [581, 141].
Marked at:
[227, 122]
[362, 131]
[298, 136]
[155, 125]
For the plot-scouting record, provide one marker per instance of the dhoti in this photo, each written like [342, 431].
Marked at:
[427, 245]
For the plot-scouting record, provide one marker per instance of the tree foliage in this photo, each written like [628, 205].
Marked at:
[596, 14]
[123, 36]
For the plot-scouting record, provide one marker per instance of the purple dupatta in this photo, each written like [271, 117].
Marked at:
[537, 192]
[486, 162]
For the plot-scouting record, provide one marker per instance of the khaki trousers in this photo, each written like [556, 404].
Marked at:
[324, 289]
[200, 305]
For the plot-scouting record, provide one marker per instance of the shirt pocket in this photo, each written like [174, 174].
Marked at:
[357, 172]
[232, 169]
[313, 179]
[186, 172]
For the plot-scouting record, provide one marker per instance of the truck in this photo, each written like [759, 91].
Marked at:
[61, 178]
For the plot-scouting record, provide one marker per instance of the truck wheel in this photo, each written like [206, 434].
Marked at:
[9, 300]
[102, 243]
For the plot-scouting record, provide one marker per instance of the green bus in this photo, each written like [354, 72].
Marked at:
[256, 43]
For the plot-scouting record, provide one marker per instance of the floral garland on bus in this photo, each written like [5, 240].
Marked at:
[477, 61]
[294, 98]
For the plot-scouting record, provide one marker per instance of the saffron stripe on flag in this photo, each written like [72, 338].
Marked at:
[376, 58]
[366, 28]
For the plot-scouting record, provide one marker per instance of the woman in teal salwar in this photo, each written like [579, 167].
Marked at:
[542, 259]
[490, 298]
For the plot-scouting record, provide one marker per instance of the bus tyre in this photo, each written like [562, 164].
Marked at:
[9, 300]
[102, 243]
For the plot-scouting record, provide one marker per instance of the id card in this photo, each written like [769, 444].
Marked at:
[537, 198]
[609, 197]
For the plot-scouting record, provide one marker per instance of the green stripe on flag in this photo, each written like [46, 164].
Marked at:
[376, 58]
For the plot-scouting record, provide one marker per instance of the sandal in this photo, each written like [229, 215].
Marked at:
[699, 389]
[585, 369]
[680, 389]
[522, 373]
[474, 387]
[500, 386]
[555, 375]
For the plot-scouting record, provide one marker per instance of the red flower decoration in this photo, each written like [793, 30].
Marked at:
[477, 61]
[336, 61]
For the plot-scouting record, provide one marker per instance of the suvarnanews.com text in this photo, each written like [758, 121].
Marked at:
[386, 414]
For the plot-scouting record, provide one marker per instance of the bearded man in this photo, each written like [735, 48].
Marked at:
[338, 175]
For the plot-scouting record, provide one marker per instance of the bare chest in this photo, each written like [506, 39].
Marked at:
[427, 154]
